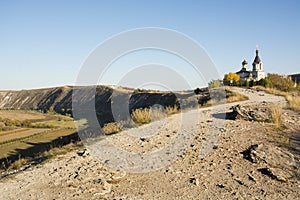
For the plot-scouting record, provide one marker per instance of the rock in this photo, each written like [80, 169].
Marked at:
[251, 153]
[81, 153]
[144, 139]
[239, 182]
[271, 155]
[220, 185]
[194, 181]
[258, 113]
[251, 178]
[278, 163]
[276, 173]
[116, 177]
[222, 129]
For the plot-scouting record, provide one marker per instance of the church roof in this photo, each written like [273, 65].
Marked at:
[243, 71]
[257, 58]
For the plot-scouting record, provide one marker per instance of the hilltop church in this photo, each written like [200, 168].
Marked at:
[257, 72]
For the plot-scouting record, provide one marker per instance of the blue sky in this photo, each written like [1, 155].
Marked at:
[44, 43]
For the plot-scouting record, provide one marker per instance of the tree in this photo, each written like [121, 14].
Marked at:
[231, 78]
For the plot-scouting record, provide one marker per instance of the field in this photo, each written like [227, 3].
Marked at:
[29, 133]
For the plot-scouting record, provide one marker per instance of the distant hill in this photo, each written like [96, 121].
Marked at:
[59, 99]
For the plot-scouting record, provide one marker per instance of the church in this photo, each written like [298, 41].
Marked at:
[256, 73]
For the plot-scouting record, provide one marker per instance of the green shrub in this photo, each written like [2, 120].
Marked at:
[280, 82]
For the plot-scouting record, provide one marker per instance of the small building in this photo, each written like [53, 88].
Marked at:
[295, 78]
[256, 73]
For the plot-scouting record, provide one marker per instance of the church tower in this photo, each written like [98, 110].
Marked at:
[257, 71]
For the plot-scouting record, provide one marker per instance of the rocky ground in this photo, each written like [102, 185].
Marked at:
[195, 155]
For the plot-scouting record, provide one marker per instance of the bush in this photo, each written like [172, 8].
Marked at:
[280, 82]
[111, 128]
[141, 116]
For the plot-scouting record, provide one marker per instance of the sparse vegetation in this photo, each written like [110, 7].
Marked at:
[52, 152]
[111, 128]
[276, 113]
[141, 116]
[215, 84]
[172, 110]
[230, 97]
[146, 115]
[233, 96]
[293, 102]
[281, 85]
[18, 163]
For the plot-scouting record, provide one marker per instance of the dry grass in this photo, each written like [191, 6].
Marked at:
[293, 102]
[111, 128]
[20, 134]
[235, 97]
[170, 110]
[276, 113]
[270, 90]
[18, 163]
[141, 116]
[146, 115]
[22, 115]
[230, 97]
[52, 152]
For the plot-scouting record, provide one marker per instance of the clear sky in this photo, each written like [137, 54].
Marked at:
[44, 43]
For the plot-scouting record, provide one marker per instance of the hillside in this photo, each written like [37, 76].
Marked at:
[59, 99]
